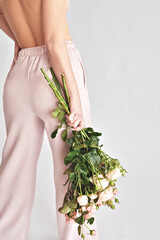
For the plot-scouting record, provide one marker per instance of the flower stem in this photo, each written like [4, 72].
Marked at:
[94, 171]
[84, 133]
[55, 80]
[87, 226]
[65, 87]
[79, 183]
[56, 92]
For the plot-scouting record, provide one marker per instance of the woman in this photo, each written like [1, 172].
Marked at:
[41, 35]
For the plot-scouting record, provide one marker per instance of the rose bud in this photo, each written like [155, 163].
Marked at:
[117, 200]
[115, 191]
[113, 206]
[92, 232]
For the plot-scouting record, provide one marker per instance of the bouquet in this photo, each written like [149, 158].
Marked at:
[92, 173]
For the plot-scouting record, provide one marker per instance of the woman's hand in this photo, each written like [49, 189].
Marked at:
[75, 119]
[16, 50]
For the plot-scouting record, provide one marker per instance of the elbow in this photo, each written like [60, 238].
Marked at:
[49, 45]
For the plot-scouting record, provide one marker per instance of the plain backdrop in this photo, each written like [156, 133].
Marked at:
[119, 42]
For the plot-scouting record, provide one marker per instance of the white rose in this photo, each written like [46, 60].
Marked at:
[93, 196]
[82, 200]
[101, 182]
[114, 174]
[105, 195]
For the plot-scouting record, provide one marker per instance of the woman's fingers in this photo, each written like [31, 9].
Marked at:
[70, 118]
[80, 126]
[76, 123]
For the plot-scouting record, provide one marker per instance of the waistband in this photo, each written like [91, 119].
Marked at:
[37, 50]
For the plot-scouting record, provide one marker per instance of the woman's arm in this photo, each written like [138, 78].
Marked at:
[54, 24]
[5, 27]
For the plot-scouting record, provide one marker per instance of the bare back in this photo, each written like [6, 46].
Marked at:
[24, 19]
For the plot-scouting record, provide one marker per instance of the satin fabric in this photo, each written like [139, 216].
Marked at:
[28, 102]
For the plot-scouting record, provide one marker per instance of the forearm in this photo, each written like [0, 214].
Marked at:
[5, 27]
[60, 62]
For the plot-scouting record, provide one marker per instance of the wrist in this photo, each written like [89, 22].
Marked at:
[74, 96]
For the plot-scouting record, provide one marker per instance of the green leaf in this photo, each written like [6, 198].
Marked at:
[85, 180]
[61, 123]
[64, 134]
[77, 168]
[64, 209]
[61, 115]
[72, 177]
[54, 133]
[70, 156]
[69, 140]
[66, 182]
[91, 220]
[79, 229]
[80, 220]
[94, 140]
[89, 130]
[95, 200]
[56, 112]
[96, 134]
[74, 185]
[72, 203]
[94, 156]
[82, 168]
[68, 170]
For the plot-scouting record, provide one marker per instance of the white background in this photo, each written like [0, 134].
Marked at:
[119, 42]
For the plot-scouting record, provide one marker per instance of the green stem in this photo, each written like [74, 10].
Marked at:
[85, 134]
[82, 229]
[57, 94]
[65, 87]
[87, 226]
[83, 145]
[75, 196]
[55, 80]
[95, 171]
[82, 135]
[79, 183]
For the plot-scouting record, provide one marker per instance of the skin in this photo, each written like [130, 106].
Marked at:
[39, 22]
